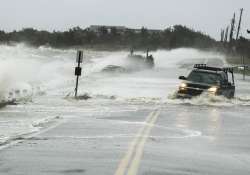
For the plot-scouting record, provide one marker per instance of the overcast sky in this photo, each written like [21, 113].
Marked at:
[208, 16]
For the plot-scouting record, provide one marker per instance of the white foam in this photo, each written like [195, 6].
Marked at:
[50, 71]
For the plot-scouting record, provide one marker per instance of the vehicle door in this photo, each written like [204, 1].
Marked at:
[227, 86]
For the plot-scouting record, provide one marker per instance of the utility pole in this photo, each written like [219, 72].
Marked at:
[239, 25]
[222, 34]
[78, 69]
[244, 67]
[232, 29]
[147, 53]
[226, 34]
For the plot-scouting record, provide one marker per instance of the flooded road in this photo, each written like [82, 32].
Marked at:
[131, 125]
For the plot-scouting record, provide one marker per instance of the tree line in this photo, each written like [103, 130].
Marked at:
[172, 37]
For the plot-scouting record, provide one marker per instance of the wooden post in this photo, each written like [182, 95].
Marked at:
[76, 88]
[78, 70]
[244, 78]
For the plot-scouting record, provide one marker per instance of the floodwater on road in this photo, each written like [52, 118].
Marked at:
[131, 116]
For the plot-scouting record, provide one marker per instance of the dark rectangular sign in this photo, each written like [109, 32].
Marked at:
[78, 71]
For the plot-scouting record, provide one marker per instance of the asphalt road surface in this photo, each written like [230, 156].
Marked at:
[132, 138]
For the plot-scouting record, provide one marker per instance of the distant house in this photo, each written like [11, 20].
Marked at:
[98, 29]
[134, 30]
[150, 31]
[154, 31]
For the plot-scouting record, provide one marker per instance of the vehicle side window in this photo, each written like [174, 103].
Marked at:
[224, 78]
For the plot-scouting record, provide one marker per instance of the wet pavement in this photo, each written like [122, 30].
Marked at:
[131, 125]
[136, 139]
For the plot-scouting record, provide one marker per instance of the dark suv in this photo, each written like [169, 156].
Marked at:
[204, 79]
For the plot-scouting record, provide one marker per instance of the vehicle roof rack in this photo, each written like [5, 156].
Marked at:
[205, 67]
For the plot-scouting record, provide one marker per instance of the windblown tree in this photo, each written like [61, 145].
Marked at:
[173, 37]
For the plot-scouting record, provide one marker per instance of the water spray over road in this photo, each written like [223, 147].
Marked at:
[43, 81]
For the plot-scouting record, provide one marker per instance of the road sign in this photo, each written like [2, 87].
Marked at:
[79, 56]
[78, 71]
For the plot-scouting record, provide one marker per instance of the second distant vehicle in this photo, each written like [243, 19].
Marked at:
[134, 62]
[146, 62]
[204, 79]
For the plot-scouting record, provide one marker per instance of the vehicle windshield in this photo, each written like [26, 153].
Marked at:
[204, 77]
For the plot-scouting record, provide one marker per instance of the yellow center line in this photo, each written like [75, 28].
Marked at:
[125, 161]
[150, 120]
[134, 166]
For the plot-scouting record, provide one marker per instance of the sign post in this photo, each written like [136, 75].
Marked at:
[78, 69]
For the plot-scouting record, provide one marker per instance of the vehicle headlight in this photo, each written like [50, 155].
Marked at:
[183, 85]
[212, 89]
